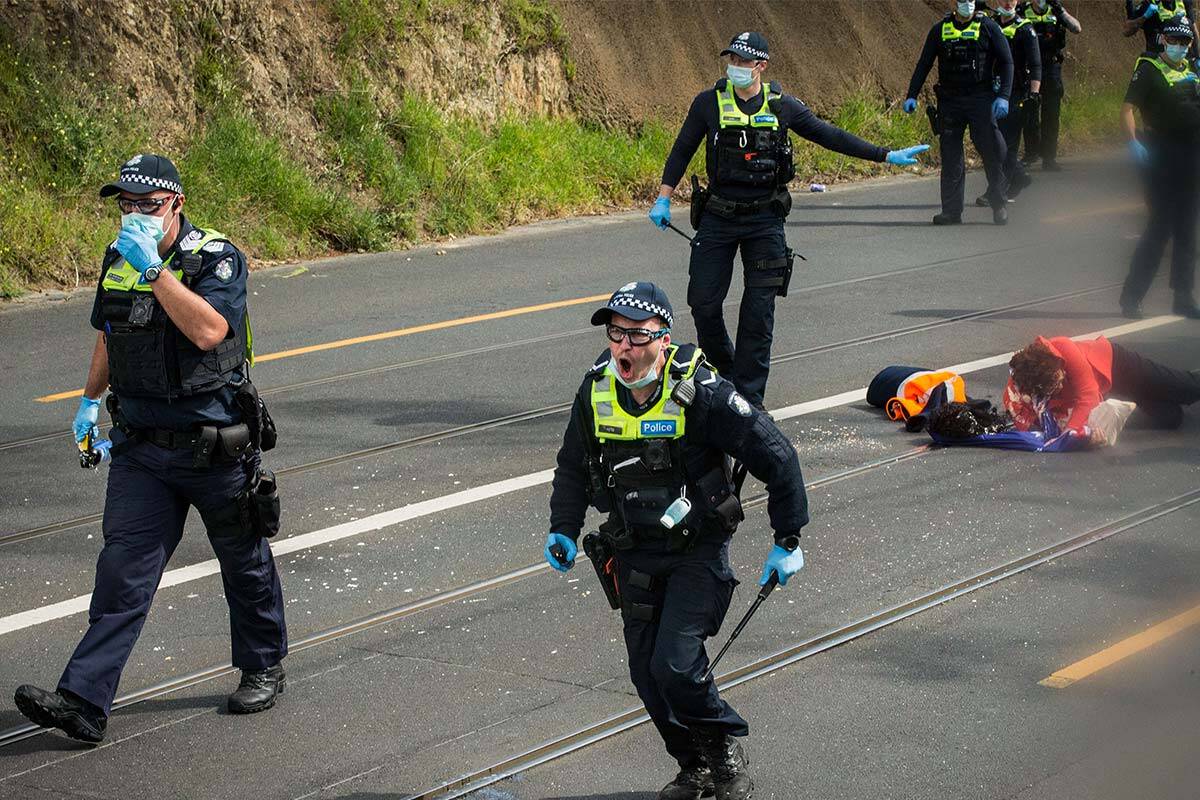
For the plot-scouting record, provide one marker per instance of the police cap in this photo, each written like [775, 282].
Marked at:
[1179, 27]
[145, 173]
[638, 301]
[751, 45]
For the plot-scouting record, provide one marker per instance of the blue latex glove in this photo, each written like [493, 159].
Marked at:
[1139, 152]
[999, 108]
[138, 248]
[903, 158]
[85, 419]
[660, 214]
[1151, 10]
[782, 562]
[910, 105]
[568, 544]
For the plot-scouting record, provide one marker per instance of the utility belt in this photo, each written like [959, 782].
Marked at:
[779, 204]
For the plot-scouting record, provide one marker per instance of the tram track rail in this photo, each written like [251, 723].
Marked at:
[477, 351]
[551, 410]
[631, 718]
[436, 600]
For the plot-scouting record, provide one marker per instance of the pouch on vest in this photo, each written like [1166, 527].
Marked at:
[700, 197]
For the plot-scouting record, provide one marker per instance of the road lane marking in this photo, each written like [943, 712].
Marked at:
[393, 334]
[374, 522]
[1095, 212]
[1122, 650]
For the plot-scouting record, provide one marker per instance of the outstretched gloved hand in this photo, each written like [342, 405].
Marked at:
[1139, 152]
[569, 549]
[783, 562]
[1151, 10]
[910, 105]
[85, 419]
[999, 108]
[660, 213]
[138, 247]
[904, 158]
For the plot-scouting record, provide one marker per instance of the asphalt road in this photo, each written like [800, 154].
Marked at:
[413, 474]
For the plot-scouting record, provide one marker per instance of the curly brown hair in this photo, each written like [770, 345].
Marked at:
[1036, 370]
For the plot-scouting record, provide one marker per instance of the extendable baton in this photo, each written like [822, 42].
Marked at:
[763, 594]
[681, 233]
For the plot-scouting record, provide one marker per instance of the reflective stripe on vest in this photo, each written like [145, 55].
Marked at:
[730, 116]
[1167, 14]
[1172, 74]
[1010, 30]
[1047, 17]
[951, 33]
[666, 420]
[913, 392]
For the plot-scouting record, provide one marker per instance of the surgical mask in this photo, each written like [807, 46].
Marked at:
[641, 383]
[1005, 12]
[147, 222]
[1176, 52]
[741, 77]
[966, 8]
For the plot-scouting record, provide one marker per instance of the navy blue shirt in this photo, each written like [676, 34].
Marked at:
[222, 282]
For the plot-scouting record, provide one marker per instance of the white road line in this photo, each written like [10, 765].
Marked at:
[374, 522]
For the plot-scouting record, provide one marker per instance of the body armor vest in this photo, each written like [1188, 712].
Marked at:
[647, 463]
[1009, 30]
[751, 150]
[962, 63]
[1181, 118]
[1051, 33]
[147, 355]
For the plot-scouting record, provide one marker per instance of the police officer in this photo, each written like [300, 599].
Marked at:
[1050, 22]
[650, 436]
[744, 124]
[1149, 17]
[1027, 81]
[1165, 91]
[173, 344]
[971, 52]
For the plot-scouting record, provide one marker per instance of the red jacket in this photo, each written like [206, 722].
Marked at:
[1088, 367]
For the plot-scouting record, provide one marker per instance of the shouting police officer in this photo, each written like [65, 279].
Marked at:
[1050, 22]
[650, 441]
[1149, 17]
[1166, 92]
[173, 343]
[745, 125]
[1027, 81]
[971, 51]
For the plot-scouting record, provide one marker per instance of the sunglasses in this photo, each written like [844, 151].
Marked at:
[148, 206]
[638, 337]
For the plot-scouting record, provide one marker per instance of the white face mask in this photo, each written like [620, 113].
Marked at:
[641, 383]
[741, 77]
[1005, 12]
[966, 8]
[149, 223]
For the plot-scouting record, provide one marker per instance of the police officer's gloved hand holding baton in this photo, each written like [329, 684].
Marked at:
[660, 212]
[560, 551]
[784, 559]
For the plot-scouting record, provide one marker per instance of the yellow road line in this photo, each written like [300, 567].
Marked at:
[1122, 650]
[394, 334]
[1095, 212]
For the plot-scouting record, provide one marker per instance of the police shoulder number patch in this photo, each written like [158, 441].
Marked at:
[740, 405]
[224, 270]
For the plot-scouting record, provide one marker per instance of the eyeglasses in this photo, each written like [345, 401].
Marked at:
[147, 206]
[638, 337]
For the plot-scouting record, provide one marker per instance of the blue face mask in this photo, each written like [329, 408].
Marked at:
[1176, 52]
[966, 8]
[741, 77]
[1005, 12]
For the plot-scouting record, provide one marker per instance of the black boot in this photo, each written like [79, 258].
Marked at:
[947, 219]
[1018, 185]
[1000, 215]
[693, 782]
[1185, 305]
[73, 715]
[257, 690]
[728, 763]
[982, 201]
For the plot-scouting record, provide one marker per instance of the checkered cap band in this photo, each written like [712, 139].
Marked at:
[745, 50]
[158, 183]
[629, 301]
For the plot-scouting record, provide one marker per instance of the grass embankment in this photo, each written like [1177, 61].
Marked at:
[389, 178]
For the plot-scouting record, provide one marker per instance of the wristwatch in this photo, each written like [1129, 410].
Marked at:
[789, 543]
[151, 274]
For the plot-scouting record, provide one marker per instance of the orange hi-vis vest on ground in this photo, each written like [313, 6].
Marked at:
[913, 393]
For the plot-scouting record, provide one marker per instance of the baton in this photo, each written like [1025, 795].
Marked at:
[681, 233]
[763, 594]
[560, 553]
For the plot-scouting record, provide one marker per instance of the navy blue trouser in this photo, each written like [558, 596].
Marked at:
[1041, 129]
[1011, 128]
[149, 492]
[973, 111]
[1172, 184]
[667, 661]
[761, 238]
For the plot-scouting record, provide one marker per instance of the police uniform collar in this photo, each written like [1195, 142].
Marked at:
[186, 231]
